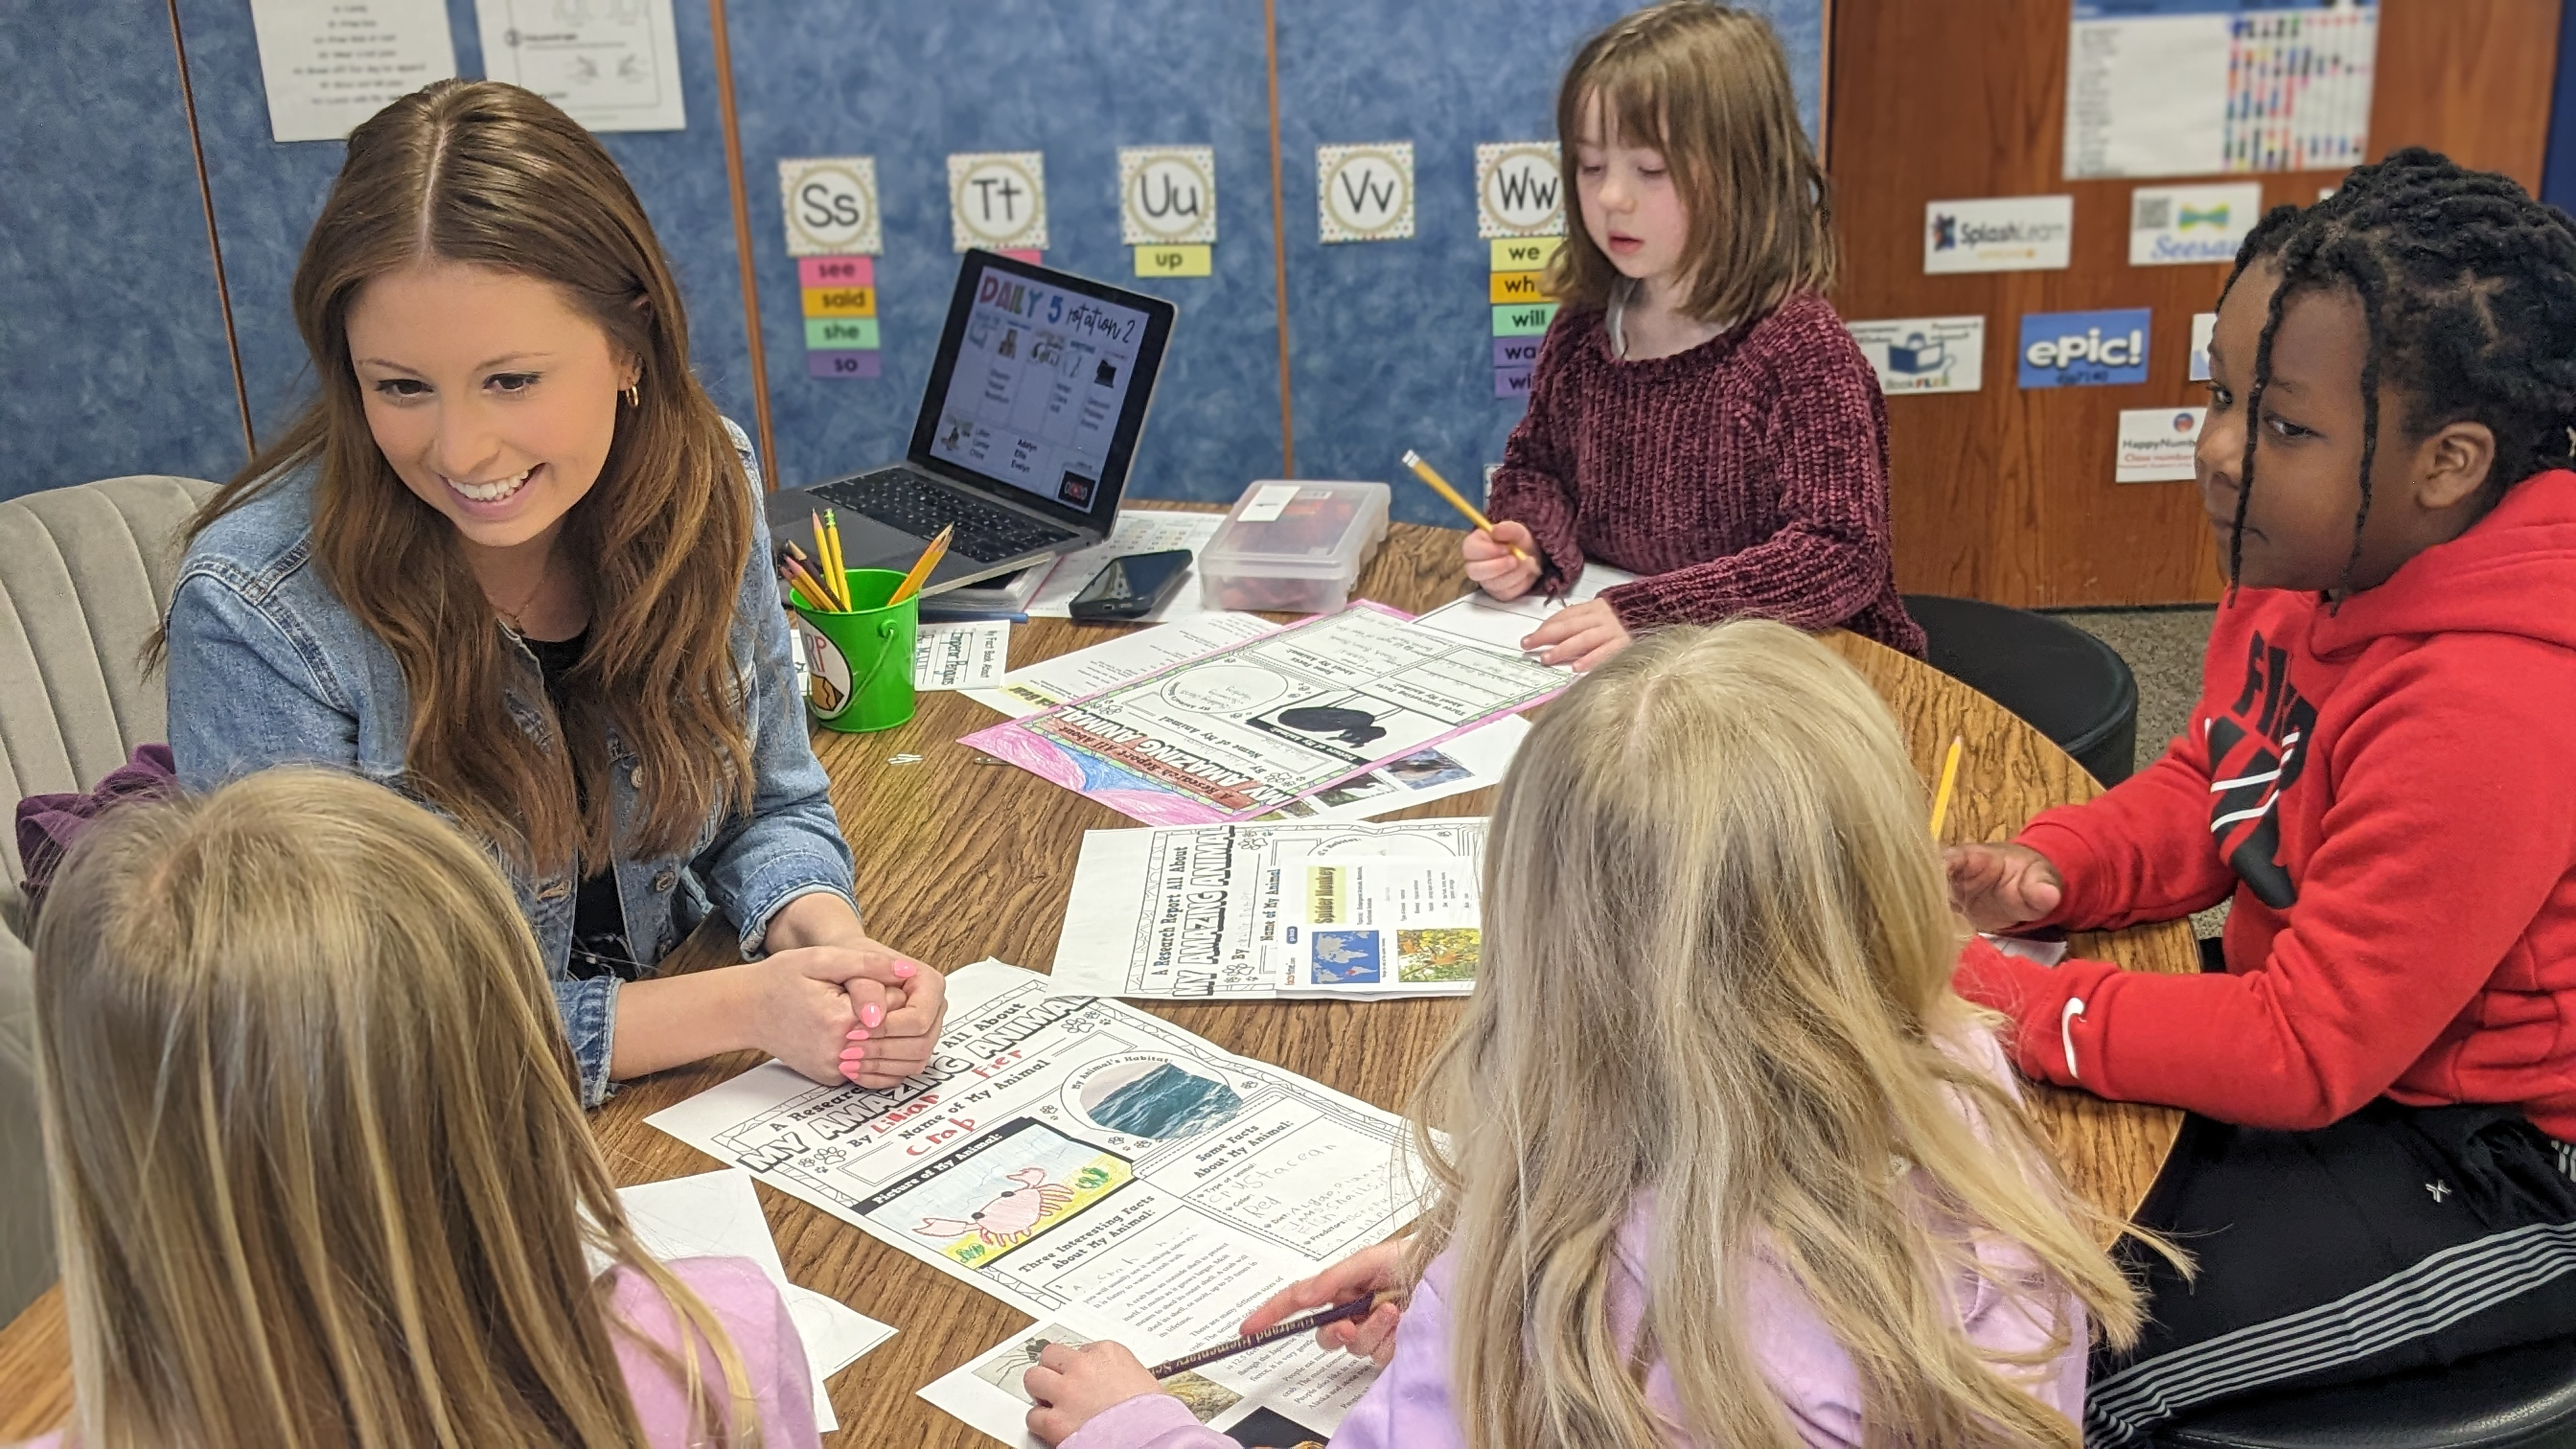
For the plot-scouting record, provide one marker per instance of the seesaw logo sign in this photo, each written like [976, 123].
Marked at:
[2173, 226]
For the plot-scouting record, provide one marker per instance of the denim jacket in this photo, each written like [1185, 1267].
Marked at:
[267, 667]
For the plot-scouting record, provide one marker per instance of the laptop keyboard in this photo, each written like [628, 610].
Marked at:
[917, 505]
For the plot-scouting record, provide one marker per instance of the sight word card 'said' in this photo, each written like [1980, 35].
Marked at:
[1091, 1165]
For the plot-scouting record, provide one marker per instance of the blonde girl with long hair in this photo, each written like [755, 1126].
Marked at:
[1698, 414]
[319, 1176]
[1719, 1158]
[509, 560]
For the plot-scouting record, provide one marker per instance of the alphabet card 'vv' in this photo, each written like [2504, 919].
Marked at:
[1365, 193]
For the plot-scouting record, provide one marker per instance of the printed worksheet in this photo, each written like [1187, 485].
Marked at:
[1202, 913]
[1480, 616]
[1472, 761]
[1246, 730]
[1074, 1156]
[1376, 925]
[987, 1391]
[1080, 673]
[965, 654]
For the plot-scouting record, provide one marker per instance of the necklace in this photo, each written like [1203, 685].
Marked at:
[510, 616]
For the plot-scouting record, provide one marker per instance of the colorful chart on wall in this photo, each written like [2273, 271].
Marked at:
[2198, 87]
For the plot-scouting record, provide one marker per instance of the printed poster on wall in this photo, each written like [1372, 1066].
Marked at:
[1924, 354]
[2198, 87]
[2172, 226]
[611, 67]
[1998, 234]
[2156, 444]
[329, 64]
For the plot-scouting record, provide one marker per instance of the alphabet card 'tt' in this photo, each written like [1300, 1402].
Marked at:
[997, 200]
[1365, 192]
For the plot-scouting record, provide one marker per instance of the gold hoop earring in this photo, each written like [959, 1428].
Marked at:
[634, 395]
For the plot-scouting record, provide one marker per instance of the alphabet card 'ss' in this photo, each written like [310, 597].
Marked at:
[1365, 193]
[831, 204]
[997, 200]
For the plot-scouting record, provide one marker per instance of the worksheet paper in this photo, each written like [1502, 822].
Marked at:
[1081, 673]
[329, 64]
[1472, 761]
[1073, 1156]
[1198, 914]
[612, 67]
[987, 1393]
[1481, 617]
[1139, 532]
[969, 654]
[1238, 734]
[717, 1215]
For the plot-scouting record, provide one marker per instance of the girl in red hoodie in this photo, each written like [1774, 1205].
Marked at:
[2381, 773]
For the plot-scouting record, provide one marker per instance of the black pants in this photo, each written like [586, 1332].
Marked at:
[2399, 1238]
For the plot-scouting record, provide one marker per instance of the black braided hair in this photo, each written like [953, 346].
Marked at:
[2468, 291]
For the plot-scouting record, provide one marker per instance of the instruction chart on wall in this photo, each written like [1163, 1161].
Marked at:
[1072, 1155]
[1244, 731]
[1207, 913]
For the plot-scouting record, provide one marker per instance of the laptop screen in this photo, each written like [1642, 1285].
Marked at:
[1046, 377]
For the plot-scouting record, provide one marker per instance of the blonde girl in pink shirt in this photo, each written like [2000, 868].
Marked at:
[318, 1173]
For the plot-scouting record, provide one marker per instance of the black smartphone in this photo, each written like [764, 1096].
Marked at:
[1131, 587]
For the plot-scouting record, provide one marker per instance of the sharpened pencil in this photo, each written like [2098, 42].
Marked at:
[1457, 500]
[921, 567]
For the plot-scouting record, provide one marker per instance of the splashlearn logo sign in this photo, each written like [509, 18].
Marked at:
[2084, 349]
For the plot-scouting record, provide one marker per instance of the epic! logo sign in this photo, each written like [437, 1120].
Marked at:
[2084, 349]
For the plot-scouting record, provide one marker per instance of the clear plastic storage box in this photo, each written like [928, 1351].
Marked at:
[1293, 547]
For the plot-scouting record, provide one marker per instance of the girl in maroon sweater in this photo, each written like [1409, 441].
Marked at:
[1698, 415]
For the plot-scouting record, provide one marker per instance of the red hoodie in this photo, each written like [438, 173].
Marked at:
[2389, 793]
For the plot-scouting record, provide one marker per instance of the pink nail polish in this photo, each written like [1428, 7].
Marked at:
[905, 970]
[854, 1054]
[871, 1014]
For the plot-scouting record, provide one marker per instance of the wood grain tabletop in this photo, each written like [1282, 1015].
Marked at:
[960, 858]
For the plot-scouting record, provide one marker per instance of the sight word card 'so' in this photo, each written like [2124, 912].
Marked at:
[831, 206]
[1520, 189]
[997, 200]
[1365, 193]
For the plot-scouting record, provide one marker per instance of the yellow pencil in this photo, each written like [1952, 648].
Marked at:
[1440, 485]
[813, 587]
[836, 571]
[921, 567]
[1949, 778]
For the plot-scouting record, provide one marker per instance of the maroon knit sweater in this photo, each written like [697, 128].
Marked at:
[1745, 476]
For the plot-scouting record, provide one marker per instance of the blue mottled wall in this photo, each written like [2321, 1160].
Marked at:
[115, 358]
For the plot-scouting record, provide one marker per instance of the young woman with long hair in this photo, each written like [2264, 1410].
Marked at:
[510, 561]
[1719, 1157]
[319, 1175]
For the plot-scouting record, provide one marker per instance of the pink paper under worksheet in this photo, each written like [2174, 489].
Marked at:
[1240, 732]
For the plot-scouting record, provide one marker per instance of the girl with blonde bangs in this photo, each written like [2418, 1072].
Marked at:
[319, 1175]
[1720, 1158]
[509, 560]
[1698, 414]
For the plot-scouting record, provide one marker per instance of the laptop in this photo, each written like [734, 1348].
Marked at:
[1026, 429]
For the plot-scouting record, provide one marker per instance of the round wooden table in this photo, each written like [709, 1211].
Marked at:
[962, 858]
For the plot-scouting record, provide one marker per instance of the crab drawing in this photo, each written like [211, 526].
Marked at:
[1009, 1218]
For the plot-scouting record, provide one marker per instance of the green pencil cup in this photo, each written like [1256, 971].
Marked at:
[859, 664]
